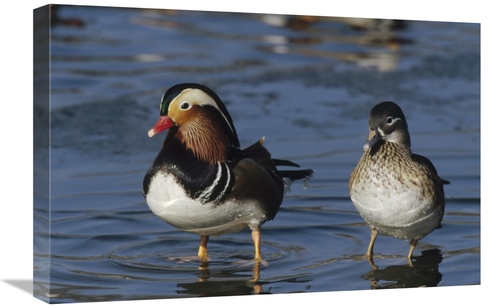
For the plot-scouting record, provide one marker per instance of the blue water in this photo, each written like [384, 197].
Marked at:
[307, 86]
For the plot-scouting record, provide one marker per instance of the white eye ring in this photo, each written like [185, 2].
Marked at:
[185, 105]
[390, 120]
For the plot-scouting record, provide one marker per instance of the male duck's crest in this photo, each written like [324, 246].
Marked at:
[199, 120]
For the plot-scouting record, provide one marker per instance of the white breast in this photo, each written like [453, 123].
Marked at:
[168, 200]
[397, 209]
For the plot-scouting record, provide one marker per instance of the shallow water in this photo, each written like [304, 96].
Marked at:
[307, 86]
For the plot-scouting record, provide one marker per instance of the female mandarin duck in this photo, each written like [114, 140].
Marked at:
[201, 181]
[393, 189]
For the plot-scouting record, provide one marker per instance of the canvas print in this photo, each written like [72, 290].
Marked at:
[182, 154]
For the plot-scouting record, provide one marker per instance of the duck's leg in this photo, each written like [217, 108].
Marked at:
[256, 242]
[373, 237]
[202, 251]
[413, 244]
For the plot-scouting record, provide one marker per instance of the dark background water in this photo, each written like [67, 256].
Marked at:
[307, 84]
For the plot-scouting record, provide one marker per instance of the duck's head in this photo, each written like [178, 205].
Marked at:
[388, 123]
[200, 119]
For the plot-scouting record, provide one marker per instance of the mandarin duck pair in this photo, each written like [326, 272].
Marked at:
[202, 182]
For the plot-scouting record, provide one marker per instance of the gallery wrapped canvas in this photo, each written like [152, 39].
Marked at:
[211, 217]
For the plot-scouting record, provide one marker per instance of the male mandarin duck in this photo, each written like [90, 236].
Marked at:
[201, 181]
[393, 189]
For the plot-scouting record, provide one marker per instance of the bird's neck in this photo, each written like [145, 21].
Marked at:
[402, 138]
[208, 143]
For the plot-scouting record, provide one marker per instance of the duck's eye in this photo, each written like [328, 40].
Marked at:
[390, 120]
[185, 106]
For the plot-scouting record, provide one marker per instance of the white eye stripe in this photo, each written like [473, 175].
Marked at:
[391, 120]
[197, 95]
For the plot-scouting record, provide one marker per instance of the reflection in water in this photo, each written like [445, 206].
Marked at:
[380, 36]
[215, 287]
[423, 272]
[377, 42]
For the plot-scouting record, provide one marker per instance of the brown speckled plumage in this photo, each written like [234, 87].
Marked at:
[393, 189]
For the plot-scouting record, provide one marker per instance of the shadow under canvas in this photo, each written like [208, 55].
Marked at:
[22, 284]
